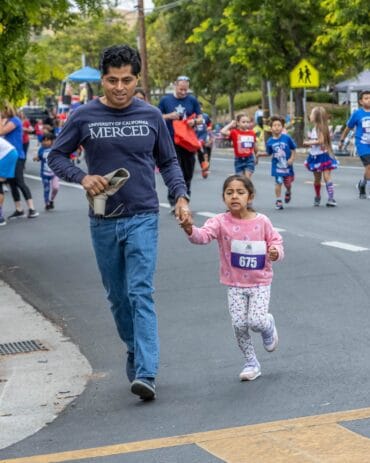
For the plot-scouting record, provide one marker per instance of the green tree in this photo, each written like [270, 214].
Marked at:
[20, 21]
[53, 57]
[165, 59]
[189, 33]
[345, 40]
[270, 37]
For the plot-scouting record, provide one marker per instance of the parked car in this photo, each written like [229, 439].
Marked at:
[37, 112]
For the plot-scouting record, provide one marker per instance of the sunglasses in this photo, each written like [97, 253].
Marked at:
[183, 78]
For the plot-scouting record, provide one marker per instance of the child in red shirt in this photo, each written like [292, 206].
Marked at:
[244, 142]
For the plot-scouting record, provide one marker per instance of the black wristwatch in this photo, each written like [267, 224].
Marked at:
[186, 196]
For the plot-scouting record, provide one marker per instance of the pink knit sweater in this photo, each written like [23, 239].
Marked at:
[243, 246]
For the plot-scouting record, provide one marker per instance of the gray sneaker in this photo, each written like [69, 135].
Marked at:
[361, 190]
[331, 202]
[144, 388]
[2, 221]
[16, 215]
[316, 201]
[251, 370]
[270, 336]
[32, 214]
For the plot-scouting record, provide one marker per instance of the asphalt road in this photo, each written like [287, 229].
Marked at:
[320, 299]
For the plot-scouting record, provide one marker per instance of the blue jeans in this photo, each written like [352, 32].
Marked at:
[126, 253]
[243, 164]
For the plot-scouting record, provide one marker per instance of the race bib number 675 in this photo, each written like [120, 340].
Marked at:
[249, 255]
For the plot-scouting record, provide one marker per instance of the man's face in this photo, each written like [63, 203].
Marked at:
[181, 88]
[119, 86]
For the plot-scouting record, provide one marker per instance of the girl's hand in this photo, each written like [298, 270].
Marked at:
[35, 159]
[186, 223]
[290, 162]
[273, 253]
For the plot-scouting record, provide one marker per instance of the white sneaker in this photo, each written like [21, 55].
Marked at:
[251, 370]
[270, 336]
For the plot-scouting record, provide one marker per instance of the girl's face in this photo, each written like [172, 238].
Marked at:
[276, 128]
[236, 198]
[244, 123]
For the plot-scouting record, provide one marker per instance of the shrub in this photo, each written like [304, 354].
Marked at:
[321, 97]
[242, 100]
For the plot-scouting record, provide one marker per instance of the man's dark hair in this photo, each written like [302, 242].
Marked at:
[117, 56]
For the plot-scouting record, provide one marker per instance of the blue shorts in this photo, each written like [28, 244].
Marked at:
[365, 160]
[243, 164]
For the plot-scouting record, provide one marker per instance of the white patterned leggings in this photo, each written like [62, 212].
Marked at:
[248, 308]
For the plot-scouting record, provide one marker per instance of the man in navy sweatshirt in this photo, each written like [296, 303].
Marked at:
[120, 131]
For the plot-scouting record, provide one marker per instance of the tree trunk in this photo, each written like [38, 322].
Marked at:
[266, 110]
[299, 117]
[231, 105]
[213, 107]
[282, 101]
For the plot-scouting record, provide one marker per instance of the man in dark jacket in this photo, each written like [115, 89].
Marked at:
[120, 131]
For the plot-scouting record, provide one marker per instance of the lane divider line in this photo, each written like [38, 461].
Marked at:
[345, 246]
[72, 185]
[335, 244]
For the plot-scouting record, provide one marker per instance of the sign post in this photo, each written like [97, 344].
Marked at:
[304, 75]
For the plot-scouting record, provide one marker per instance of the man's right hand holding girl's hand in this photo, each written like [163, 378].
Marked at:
[186, 222]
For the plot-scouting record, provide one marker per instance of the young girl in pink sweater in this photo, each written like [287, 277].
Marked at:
[248, 244]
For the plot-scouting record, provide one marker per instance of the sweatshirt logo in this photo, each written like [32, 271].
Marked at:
[119, 129]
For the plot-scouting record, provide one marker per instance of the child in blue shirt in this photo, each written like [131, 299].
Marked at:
[282, 149]
[360, 119]
[50, 181]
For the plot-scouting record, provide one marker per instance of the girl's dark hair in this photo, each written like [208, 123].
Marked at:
[117, 56]
[239, 116]
[248, 185]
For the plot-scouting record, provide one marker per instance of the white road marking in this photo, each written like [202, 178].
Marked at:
[335, 244]
[207, 214]
[72, 185]
[345, 246]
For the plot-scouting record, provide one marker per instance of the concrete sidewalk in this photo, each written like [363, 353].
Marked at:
[35, 386]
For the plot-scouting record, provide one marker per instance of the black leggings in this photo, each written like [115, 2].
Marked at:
[201, 154]
[17, 183]
[186, 161]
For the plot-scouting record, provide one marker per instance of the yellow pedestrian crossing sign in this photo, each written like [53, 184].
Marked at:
[304, 75]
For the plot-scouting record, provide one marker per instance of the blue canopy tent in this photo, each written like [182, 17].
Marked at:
[85, 74]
